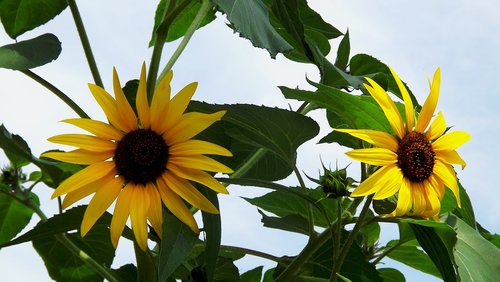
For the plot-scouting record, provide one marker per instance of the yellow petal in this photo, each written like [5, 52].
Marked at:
[155, 213]
[108, 105]
[98, 128]
[177, 106]
[377, 138]
[410, 115]
[101, 201]
[433, 203]
[79, 156]
[430, 103]
[418, 198]
[388, 106]
[160, 103]
[438, 186]
[447, 175]
[199, 162]
[450, 141]
[437, 128]
[124, 109]
[121, 213]
[139, 207]
[85, 176]
[175, 205]
[375, 182]
[87, 142]
[199, 176]
[188, 192]
[451, 157]
[198, 147]
[374, 156]
[83, 192]
[394, 178]
[189, 125]
[141, 101]
[404, 199]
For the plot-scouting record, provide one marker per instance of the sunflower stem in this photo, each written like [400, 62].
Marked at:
[242, 170]
[146, 270]
[309, 207]
[85, 42]
[252, 253]
[336, 246]
[67, 100]
[350, 239]
[206, 5]
[169, 15]
[387, 252]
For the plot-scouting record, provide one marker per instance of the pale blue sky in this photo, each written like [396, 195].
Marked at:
[414, 37]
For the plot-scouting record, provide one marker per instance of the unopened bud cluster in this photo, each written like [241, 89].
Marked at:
[335, 183]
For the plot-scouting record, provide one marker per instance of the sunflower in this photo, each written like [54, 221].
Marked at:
[142, 160]
[417, 162]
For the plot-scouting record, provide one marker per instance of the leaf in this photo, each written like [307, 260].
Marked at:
[409, 254]
[252, 275]
[371, 231]
[63, 265]
[476, 258]
[465, 212]
[343, 52]
[30, 53]
[251, 19]
[391, 275]
[213, 230]
[126, 273]
[226, 270]
[492, 238]
[177, 242]
[14, 215]
[180, 24]
[19, 16]
[293, 223]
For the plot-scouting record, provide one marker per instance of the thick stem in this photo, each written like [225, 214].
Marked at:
[85, 42]
[57, 92]
[309, 207]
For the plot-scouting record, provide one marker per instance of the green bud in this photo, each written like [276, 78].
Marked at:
[335, 183]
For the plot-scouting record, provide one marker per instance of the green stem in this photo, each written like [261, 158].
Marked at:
[252, 253]
[146, 270]
[242, 170]
[350, 239]
[57, 92]
[85, 42]
[387, 252]
[206, 5]
[309, 207]
[169, 15]
[336, 246]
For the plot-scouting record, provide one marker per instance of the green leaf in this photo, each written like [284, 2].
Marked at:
[126, 273]
[177, 242]
[409, 254]
[180, 24]
[14, 215]
[492, 238]
[293, 223]
[391, 275]
[268, 275]
[465, 212]
[226, 270]
[476, 258]
[213, 230]
[343, 52]
[252, 275]
[371, 231]
[251, 19]
[19, 16]
[63, 265]
[30, 53]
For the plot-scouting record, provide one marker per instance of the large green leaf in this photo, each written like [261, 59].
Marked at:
[409, 254]
[477, 259]
[292, 223]
[30, 53]
[14, 215]
[251, 19]
[19, 16]
[465, 212]
[252, 275]
[391, 275]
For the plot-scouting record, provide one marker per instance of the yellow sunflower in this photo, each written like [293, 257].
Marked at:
[141, 160]
[417, 162]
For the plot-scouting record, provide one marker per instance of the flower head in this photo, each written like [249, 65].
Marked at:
[417, 162]
[142, 161]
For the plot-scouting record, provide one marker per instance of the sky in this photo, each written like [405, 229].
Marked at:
[414, 37]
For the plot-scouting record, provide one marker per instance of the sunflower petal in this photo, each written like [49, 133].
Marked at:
[175, 205]
[87, 142]
[374, 156]
[139, 207]
[189, 125]
[410, 115]
[83, 192]
[404, 199]
[433, 203]
[198, 147]
[189, 193]
[160, 103]
[451, 157]
[123, 106]
[377, 138]
[85, 176]
[121, 213]
[447, 175]
[395, 177]
[101, 201]
[98, 128]
[155, 213]
[375, 182]
[199, 162]
[417, 192]
[108, 105]
[177, 106]
[438, 186]
[79, 156]
[437, 128]
[141, 101]
[430, 103]
[450, 141]
[199, 176]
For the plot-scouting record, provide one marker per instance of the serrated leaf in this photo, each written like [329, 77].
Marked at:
[251, 19]
[14, 215]
[30, 53]
[19, 16]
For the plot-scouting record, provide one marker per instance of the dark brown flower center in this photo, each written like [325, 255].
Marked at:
[416, 157]
[141, 156]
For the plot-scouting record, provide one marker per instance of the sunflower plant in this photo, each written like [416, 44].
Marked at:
[150, 173]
